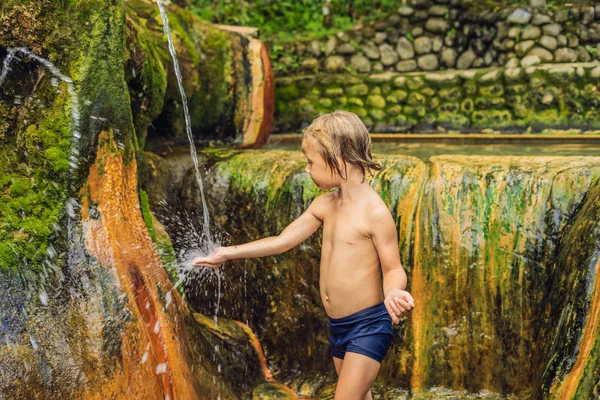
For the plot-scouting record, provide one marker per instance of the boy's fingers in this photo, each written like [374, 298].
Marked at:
[401, 305]
[404, 304]
[391, 312]
[395, 308]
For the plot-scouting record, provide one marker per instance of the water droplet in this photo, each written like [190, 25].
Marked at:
[43, 297]
[50, 251]
[156, 327]
[144, 357]
[34, 343]
[168, 299]
[161, 368]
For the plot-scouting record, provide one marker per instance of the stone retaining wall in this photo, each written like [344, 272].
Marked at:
[428, 35]
[505, 99]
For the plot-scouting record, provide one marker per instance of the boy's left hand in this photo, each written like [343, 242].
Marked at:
[398, 303]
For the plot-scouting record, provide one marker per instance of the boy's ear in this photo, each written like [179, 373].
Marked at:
[343, 167]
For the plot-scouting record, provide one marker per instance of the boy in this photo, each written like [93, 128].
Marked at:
[359, 238]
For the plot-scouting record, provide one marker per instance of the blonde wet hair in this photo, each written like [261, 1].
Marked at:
[341, 134]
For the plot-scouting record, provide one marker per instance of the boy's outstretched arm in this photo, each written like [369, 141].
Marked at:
[294, 234]
[396, 299]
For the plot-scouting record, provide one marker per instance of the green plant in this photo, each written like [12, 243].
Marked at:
[289, 20]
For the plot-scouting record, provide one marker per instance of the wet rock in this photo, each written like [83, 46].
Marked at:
[376, 101]
[314, 48]
[512, 63]
[377, 67]
[330, 46]
[436, 44]
[519, 16]
[560, 16]
[573, 41]
[466, 59]
[345, 48]
[565, 55]
[423, 45]
[514, 32]
[358, 90]
[428, 62]
[436, 25]
[400, 82]
[531, 32]
[387, 55]
[404, 48]
[394, 20]
[587, 15]
[562, 41]
[530, 61]
[438, 10]
[380, 37]
[406, 66]
[552, 29]
[508, 44]
[405, 11]
[360, 63]
[547, 99]
[523, 47]
[540, 19]
[300, 49]
[448, 57]
[343, 36]
[370, 50]
[420, 4]
[583, 55]
[335, 64]
[417, 31]
[309, 65]
[549, 42]
[542, 53]
[537, 3]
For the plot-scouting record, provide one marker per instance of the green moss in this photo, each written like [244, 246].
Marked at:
[33, 171]
[146, 214]
[358, 90]
[487, 118]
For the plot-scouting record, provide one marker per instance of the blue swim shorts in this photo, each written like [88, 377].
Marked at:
[367, 332]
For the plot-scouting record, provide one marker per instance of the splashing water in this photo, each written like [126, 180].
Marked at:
[186, 112]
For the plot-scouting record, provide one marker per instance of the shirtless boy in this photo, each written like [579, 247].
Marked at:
[360, 245]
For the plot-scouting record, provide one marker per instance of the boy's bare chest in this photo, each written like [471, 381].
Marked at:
[346, 226]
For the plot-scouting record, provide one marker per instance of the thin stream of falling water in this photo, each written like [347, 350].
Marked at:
[186, 112]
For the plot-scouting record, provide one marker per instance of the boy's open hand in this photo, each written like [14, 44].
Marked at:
[399, 303]
[213, 260]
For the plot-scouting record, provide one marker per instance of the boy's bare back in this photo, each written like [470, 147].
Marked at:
[350, 272]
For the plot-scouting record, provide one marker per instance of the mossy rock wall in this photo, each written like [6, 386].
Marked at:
[488, 245]
[89, 76]
[517, 99]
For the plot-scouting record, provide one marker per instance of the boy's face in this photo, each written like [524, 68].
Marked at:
[317, 168]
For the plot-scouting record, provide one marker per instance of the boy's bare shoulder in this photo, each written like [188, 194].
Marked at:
[321, 205]
[377, 209]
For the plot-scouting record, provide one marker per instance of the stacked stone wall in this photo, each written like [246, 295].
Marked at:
[428, 35]
[450, 65]
[502, 99]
